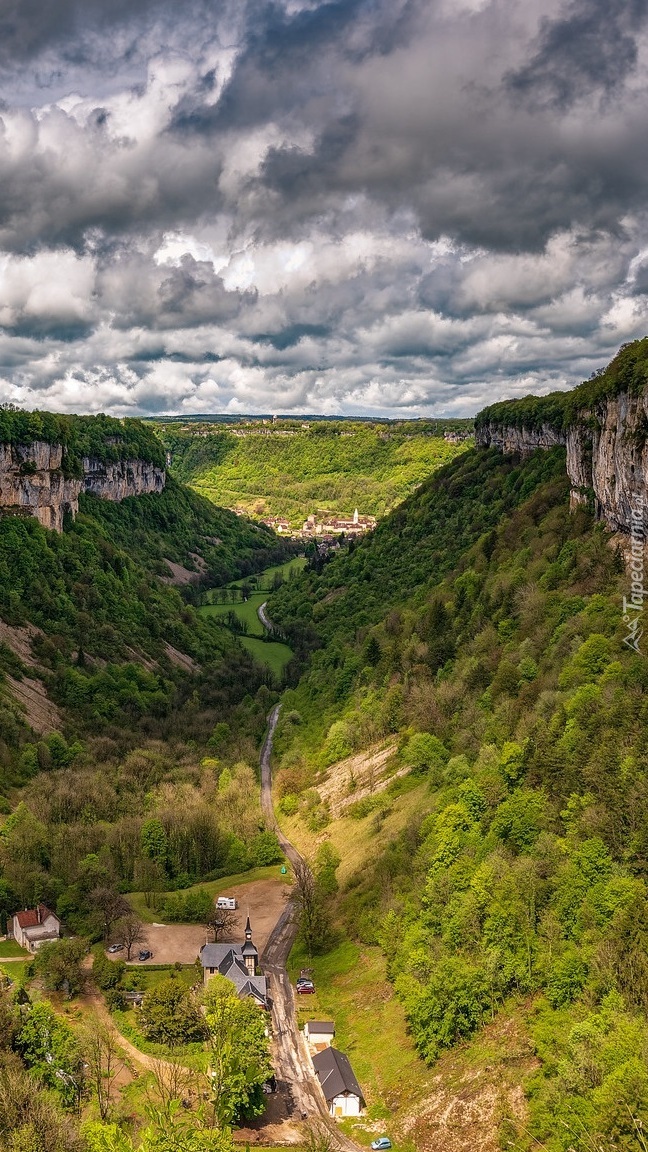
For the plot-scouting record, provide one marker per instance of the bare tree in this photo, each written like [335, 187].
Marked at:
[310, 911]
[110, 906]
[129, 931]
[103, 1061]
[149, 876]
[222, 922]
[172, 1081]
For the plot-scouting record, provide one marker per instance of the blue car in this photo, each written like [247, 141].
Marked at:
[381, 1143]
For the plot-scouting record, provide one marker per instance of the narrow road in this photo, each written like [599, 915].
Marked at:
[265, 620]
[292, 1068]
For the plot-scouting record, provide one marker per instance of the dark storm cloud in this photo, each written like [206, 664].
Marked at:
[592, 46]
[27, 27]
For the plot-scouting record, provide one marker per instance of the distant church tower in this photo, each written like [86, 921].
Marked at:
[248, 951]
[355, 516]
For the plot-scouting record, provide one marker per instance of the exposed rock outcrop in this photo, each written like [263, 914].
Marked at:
[32, 480]
[517, 440]
[607, 454]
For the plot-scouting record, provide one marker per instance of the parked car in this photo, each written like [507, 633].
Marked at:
[306, 989]
[381, 1143]
[304, 982]
[145, 954]
[116, 948]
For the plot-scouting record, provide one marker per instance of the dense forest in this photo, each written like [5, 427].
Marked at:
[481, 627]
[295, 471]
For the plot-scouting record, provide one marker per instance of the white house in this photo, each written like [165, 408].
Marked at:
[35, 926]
[341, 1090]
[319, 1034]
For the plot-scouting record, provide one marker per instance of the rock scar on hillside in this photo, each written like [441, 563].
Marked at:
[30, 695]
[41, 714]
[180, 659]
[474, 1092]
[358, 776]
[181, 575]
[19, 639]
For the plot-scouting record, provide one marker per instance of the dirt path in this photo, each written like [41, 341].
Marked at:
[93, 999]
[292, 1067]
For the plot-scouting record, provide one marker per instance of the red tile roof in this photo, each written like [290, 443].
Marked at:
[29, 918]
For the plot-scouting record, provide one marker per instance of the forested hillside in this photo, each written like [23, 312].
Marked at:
[114, 690]
[294, 471]
[481, 627]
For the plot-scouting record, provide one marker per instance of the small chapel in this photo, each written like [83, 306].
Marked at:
[237, 963]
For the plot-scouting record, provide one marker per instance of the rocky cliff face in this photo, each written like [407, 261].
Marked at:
[520, 440]
[31, 480]
[607, 454]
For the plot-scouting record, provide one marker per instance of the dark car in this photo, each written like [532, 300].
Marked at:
[145, 955]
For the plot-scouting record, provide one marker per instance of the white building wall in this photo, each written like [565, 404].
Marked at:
[345, 1106]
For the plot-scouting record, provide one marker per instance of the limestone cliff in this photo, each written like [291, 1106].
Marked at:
[521, 440]
[607, 453]
[32, 480]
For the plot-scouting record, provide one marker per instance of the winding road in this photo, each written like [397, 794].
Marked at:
[267, 622]
[292, 1067]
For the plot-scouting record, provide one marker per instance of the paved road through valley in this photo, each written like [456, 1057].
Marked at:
[292, 1067]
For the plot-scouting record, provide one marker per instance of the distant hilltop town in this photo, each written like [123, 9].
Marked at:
[326, 528]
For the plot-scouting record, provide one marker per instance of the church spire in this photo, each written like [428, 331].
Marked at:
[248, 928]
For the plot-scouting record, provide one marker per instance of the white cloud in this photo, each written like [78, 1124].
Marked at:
[408, 207]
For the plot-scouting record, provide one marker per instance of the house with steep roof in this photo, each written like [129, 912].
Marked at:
[237, 963]
[33, 927]
[341, 1090]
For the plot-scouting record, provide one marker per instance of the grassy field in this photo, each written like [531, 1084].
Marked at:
[212, 887]
[245, 610]
[265, 578]
[143, 979]
[11, 948]
[15, 971]
[271, 653]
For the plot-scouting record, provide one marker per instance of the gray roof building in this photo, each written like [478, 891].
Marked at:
[336, 1075]
[237, 963]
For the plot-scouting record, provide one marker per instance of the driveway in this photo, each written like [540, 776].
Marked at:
[296, 1079]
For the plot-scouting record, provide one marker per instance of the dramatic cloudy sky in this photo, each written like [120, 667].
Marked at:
[360, 206]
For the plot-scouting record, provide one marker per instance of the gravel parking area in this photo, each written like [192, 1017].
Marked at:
[262, 900]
